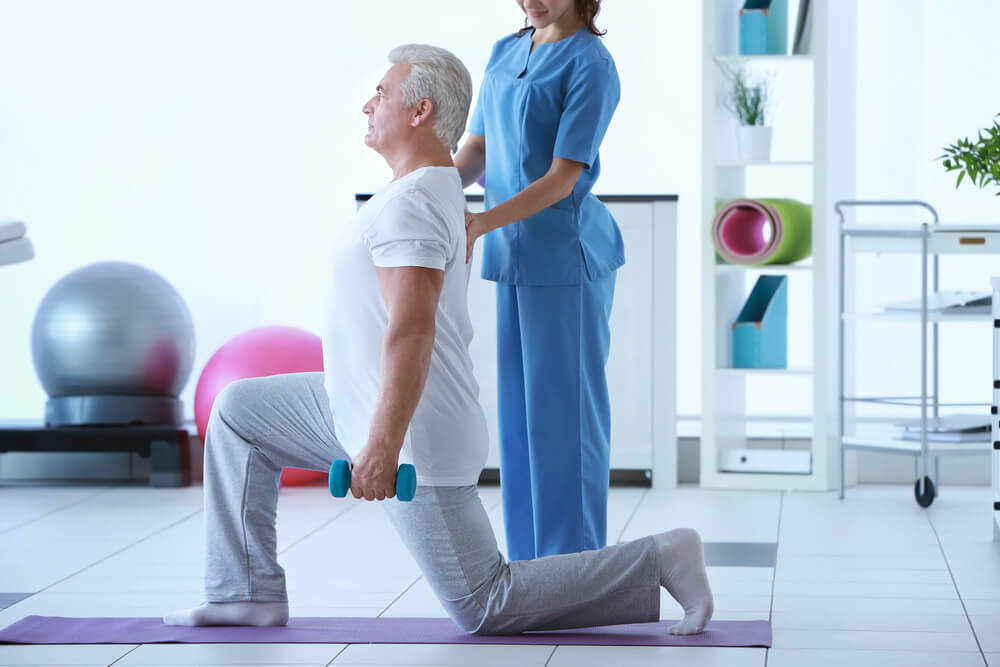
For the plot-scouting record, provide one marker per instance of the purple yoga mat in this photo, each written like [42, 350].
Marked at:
[64, 630]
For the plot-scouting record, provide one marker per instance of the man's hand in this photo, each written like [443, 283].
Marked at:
[374, 472]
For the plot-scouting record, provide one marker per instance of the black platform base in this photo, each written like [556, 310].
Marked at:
[167, 446]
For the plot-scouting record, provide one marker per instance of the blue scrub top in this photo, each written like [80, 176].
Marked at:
[556, 101]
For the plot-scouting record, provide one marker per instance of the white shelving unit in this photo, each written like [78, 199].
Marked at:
[822, 160]
[928, 240]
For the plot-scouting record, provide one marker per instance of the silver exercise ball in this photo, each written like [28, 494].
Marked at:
[113, 343]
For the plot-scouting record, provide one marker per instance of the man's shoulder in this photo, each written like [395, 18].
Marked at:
[437, 180]
[430, 194]
[440, 187]
[436, 183]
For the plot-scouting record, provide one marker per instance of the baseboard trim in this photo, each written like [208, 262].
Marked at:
[619, 477]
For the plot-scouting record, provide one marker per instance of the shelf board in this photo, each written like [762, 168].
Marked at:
[729, 268]
[740, 164]
[883, 442]
[766, 57]
[911, 316]
[795, 370]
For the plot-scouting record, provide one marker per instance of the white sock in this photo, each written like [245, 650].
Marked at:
[231, 613]
[682, 573]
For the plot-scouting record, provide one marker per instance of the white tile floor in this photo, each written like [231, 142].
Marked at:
[872, 580]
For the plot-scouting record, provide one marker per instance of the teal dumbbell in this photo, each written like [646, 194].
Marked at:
[340, 480]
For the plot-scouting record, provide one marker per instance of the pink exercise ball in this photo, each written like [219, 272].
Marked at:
[258, 353]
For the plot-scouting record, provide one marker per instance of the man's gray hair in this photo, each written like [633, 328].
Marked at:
[439, 76]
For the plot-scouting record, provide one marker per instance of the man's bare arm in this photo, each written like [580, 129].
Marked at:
[411, 298]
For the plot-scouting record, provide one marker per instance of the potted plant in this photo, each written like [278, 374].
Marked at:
[980, 161]
[747, 97]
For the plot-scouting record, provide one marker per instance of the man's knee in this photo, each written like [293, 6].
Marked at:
[470, 621]
[469, 614]
[484, 612]
[475, 618]
[233, 398]
[487, 624]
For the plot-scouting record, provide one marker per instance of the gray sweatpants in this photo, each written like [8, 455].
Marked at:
[261, 425]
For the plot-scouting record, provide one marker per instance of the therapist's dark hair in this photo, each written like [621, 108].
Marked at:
[587, 10]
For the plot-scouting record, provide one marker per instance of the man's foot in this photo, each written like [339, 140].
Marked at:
[231, 613]
[682, 573]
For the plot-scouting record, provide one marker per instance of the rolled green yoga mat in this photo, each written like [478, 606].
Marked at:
[738, 231]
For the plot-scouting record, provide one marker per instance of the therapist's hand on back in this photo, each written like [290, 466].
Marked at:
[476, 225]
[373, 474]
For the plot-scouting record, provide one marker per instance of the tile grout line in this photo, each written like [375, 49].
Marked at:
[123, 655]
[115, 553]
[954, 583]
[318, 528]
[774, 572]
[59, 509]
[631, 516]
[397, 598]
[339, 653]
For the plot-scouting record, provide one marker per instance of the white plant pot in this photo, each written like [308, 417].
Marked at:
[754, 142]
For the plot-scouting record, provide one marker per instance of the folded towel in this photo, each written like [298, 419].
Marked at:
[11, 230]
[18, 250]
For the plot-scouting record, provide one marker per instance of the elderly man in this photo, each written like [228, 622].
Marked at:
[398, 387]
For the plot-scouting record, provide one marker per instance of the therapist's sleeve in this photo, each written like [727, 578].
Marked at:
[591, 99]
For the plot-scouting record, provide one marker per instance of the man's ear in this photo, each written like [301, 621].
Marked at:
[421, 112]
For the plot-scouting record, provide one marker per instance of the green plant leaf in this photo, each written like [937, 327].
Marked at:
[979, 160]
[746, 96]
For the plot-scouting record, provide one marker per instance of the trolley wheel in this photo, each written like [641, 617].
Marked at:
[925, 499]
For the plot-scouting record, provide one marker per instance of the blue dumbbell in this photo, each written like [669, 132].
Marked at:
[340, 480]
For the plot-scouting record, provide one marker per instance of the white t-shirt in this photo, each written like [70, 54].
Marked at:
[418, 220]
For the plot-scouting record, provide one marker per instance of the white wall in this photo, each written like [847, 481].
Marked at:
[219, 142]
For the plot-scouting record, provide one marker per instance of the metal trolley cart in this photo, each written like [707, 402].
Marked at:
[929, 239]
[995, 422]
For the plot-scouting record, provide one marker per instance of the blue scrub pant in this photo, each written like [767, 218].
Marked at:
[554, 416]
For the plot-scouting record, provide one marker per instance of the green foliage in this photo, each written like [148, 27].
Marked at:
[980, 161]
[747, 96]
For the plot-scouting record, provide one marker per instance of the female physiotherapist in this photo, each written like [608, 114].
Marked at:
[552, 247]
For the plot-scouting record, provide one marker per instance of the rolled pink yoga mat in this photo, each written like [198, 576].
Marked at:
[739, 231]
